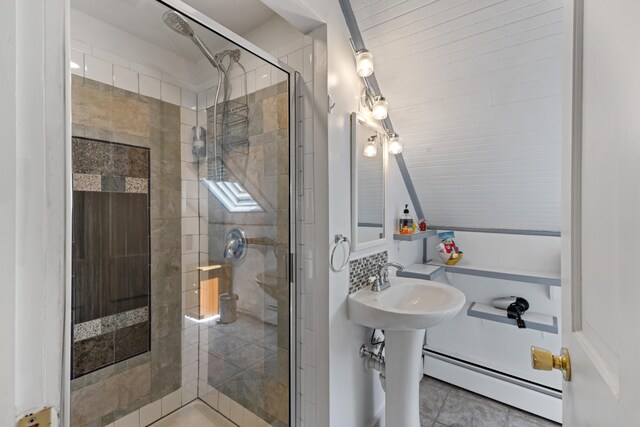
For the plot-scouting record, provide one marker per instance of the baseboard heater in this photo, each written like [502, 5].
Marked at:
[529, 396]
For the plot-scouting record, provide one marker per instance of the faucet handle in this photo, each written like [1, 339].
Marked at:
[374, 281]
[384, 273]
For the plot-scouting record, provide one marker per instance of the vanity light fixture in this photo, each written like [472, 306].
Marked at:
[364, 63]
[395, 143]
[380, 108]
[371, 149]
[378, 105]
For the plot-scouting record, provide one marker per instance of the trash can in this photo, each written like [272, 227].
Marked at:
[228, 313]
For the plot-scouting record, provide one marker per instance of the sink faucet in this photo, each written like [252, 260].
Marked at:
[380, 281]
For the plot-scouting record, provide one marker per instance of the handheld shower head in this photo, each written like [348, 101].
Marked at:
[177, 23]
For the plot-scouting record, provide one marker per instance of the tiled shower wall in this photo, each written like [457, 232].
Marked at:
[114, 70]
[307, 320]
[263, 168]
[152, 379]
[193, 236]
[299, 55]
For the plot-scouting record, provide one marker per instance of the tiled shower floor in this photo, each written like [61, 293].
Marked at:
[443, 404]
[246, 364]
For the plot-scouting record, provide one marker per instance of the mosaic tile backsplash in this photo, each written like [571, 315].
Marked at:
[111, 254]
[362, 268]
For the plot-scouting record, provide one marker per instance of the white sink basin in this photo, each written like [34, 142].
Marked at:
[404, 311]
[409, 304]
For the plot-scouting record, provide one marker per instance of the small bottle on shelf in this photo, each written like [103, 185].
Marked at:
[406, 225]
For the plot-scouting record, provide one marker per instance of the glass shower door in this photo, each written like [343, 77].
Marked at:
[245, 220]
[181, 219]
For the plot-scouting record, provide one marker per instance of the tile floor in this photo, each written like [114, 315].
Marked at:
[443, 404]
[194, 414]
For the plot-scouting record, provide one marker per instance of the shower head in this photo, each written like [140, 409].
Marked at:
[177, 23]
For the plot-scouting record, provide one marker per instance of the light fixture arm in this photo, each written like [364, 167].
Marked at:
[371, 82]
[366, 98]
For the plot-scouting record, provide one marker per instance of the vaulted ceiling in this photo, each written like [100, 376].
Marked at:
[474, 88]
[143, 19]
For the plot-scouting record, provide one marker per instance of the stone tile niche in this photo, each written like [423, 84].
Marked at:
[126, 282]
[110, 254]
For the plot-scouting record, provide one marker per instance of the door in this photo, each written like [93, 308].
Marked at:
[601, 213]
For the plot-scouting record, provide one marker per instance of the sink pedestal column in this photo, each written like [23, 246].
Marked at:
[403, 366]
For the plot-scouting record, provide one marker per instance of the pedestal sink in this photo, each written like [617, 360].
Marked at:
[404, 311]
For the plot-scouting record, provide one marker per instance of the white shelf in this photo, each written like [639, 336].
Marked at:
[421, 271]
[536, 321]
[463, 267]
[415, 236]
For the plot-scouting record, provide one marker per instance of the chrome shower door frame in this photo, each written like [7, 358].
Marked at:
[295, 189]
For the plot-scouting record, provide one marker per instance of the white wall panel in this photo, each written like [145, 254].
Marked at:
[474, 90]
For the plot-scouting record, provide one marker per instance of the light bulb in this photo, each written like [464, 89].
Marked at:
[364, 63]
[395, 144]
[370, 150]
[380, 108]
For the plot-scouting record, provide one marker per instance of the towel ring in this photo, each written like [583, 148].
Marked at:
[338, 240]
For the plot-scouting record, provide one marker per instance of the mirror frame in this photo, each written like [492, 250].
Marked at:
[357, 118]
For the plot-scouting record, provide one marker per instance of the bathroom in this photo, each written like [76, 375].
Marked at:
[204, 218]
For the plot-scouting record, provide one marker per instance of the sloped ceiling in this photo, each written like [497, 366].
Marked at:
[474, 88]
[143, 19]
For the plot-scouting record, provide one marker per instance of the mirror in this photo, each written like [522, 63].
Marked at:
[368, 182]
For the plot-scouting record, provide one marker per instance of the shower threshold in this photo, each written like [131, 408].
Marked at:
[196, 413]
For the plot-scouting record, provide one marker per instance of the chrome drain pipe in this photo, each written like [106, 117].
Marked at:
[374, 361]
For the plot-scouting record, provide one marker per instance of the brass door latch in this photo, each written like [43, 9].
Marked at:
[43, 418]
[544, 360]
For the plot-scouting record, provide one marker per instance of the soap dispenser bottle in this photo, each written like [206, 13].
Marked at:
[406, 225]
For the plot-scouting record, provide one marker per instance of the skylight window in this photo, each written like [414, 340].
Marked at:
[233, 196]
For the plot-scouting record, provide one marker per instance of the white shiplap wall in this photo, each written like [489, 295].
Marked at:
[474, 90]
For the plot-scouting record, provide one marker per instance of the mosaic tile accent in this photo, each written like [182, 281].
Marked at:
[109, 167]
[86, 330]
[86, 182]
[130, 161]
[136, 185]
[113, 184]
[90, 157]
[131, 341]
[92, 328]
[362, 268]
[123, 320]
[104, 350]
[93, 353]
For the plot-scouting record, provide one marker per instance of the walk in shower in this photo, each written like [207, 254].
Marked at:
[183, 220]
